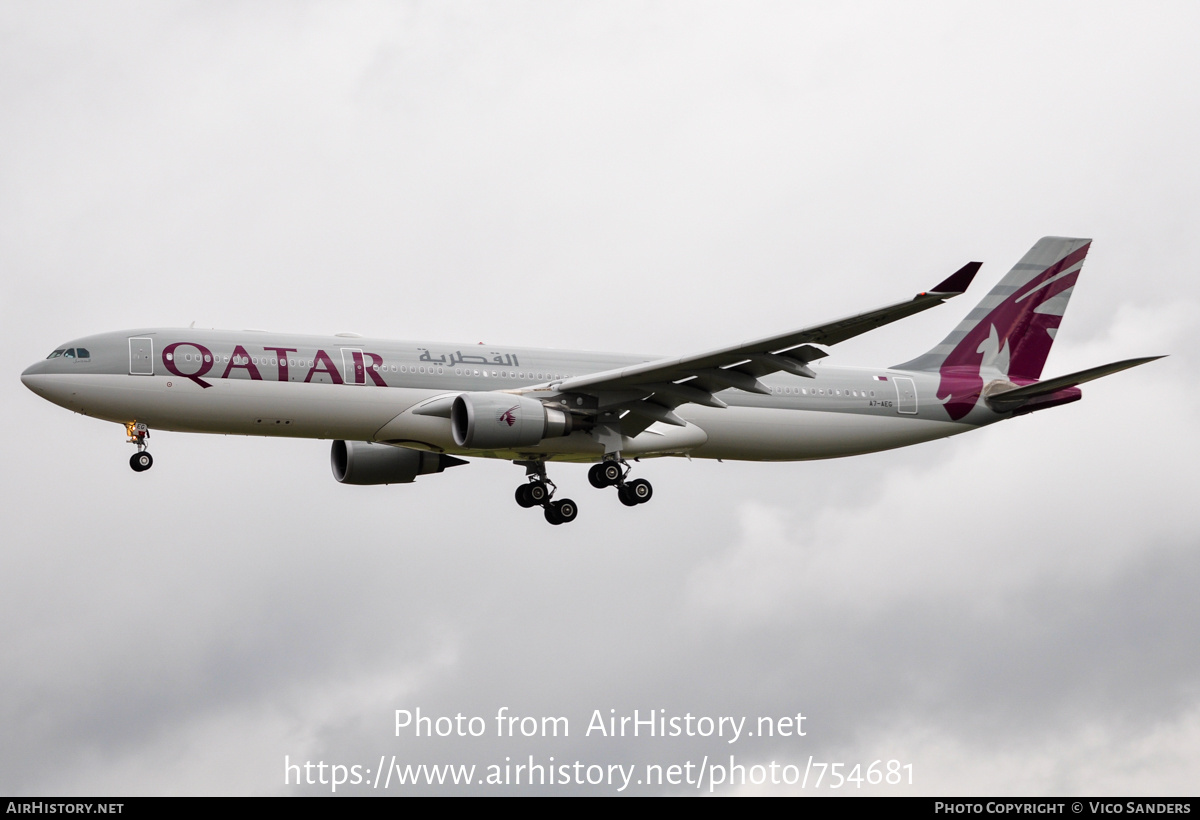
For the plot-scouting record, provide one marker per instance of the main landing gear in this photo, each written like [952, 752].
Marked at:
[539, 492]
[612, 472]
[138, 433]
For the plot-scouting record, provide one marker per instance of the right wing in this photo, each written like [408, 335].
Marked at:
[644, 393]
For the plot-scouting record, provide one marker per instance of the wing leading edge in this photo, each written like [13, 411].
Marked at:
[645, 393]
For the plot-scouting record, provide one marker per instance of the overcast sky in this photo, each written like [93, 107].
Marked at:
[1010, 612]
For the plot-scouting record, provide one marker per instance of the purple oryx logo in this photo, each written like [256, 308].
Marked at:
[509, 416]
[1012, 339]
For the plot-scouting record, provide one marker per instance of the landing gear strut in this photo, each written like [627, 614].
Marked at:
[539, 492]
[612, 472]
[138, 433]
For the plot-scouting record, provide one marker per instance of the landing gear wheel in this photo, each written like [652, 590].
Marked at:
[640, 490]
[565, 509]
[596, 477]
[141, 462]
[611, 472]
[626, 495]
[523, 496]
[538, 493]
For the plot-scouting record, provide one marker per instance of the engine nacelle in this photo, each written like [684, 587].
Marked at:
[361, 462]
[501, 421]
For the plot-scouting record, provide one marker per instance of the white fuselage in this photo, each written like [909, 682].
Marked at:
[253, 383]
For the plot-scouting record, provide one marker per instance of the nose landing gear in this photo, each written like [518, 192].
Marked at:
[138, 433]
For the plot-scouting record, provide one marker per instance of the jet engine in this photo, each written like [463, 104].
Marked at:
[361, 462]
[501, 421]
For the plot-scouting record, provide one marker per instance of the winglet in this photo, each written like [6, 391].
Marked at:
[959, 281]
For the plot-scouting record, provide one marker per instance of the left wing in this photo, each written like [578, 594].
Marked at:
[645, 393]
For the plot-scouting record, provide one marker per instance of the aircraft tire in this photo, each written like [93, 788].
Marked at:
[641, 490]
[552, 515]
[611, 472]
[566, 510]
[140, 462]
[538, 493]
[626, 496]
[596, 476]
[523, 496]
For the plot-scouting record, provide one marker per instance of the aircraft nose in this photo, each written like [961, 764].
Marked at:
[31, 377]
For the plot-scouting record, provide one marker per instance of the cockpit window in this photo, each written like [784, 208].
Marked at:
[79, 354]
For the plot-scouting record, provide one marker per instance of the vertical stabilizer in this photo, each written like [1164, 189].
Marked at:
[1008, 335]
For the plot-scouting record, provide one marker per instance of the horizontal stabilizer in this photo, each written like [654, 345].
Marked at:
[1005, 400]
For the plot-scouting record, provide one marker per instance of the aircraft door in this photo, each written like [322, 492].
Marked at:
[141, 357]
[353, 365]
[906, 396]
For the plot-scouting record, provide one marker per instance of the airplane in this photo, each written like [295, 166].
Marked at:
[398, 410]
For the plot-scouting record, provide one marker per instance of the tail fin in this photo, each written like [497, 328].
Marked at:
[1009, 334]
